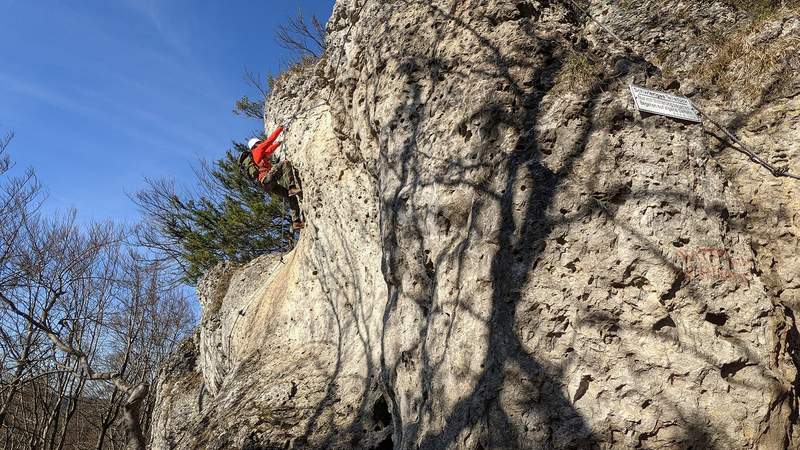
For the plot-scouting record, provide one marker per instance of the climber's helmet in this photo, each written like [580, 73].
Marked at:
[253, 142]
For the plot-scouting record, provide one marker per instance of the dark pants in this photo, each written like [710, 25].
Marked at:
[294, 203]
[282, 174]
[278, 182]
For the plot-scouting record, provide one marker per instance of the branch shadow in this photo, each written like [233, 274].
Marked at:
[524, 227]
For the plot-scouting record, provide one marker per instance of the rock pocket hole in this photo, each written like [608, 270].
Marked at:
[728, 370]
[527, 10]
[429, 269]
[664, 323]
[717, 319]
[465, 132]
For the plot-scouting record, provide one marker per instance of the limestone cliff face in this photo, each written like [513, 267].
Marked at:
[501, 253]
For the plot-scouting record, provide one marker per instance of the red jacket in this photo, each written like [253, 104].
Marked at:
[263, 151]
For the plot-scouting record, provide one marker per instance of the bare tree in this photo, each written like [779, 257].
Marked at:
[305, 37]
[84, 324]
[109, 320]
[164, 226]
[5, 161]
[18, 340]
[253, 109]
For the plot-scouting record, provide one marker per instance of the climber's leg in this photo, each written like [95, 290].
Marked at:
[279, 191]
[294, 204]
[290, 181]
[297, 215]
[282, 173]
[295, 195]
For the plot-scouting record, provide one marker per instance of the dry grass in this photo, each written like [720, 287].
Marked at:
[751, 62]
[762, 8]
[300, 66]
[577, 74]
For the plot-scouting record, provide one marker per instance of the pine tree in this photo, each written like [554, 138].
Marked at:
[228, 217]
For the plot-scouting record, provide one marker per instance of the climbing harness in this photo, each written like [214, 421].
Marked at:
[743, 148]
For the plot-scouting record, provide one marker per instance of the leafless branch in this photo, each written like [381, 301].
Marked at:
[255, 80]
[5, 161]
[302, 36]
[78, 309]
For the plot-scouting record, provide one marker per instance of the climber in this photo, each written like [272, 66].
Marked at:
[273, 172]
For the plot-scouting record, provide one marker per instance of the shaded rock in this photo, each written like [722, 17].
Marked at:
[501, 253]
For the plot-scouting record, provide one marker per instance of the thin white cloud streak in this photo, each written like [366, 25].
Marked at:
[176, 65]
[169, 30]
[142, 113]
[184, 84]
[26, 89]
[176, 142]
[152, 11]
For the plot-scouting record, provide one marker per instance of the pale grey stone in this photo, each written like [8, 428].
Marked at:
[497, 256]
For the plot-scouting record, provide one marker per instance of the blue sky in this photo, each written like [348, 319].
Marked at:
[102, 93]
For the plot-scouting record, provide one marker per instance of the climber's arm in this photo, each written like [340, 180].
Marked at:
[265, 149]
[271, 139]
[271, 149]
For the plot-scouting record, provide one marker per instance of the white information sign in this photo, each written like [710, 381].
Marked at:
[664, 104]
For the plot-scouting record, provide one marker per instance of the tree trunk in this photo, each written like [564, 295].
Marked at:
[22, 365]
[133, 406]
[73, 406]
[108, 418]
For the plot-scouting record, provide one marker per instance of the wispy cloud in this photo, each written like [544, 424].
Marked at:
[154, 13]
[156, 131]
[179, 59]
[27, 89]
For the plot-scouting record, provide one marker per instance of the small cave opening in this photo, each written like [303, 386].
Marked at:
[382, 418]
[386, 444]
[381, 414]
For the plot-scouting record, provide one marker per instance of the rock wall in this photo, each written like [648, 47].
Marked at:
[501, 253]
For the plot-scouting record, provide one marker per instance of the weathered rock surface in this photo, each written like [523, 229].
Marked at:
[501, 253]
